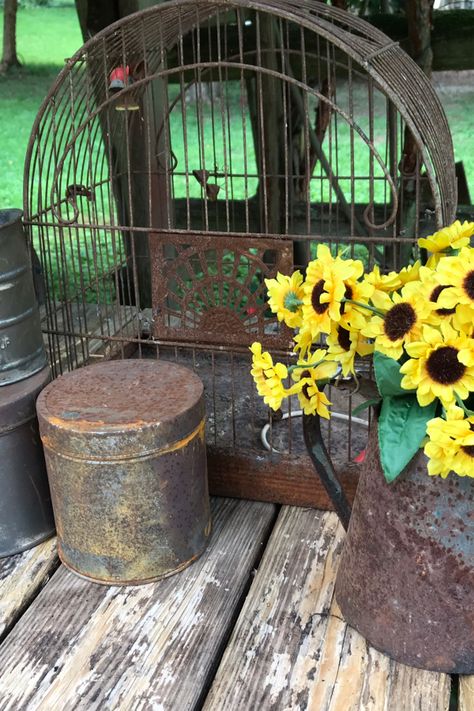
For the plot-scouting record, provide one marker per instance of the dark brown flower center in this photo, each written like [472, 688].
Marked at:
[399, 320]
[443, 366]
[343, 338]
[434, 298]
[468, 284]
[468, 449]
[304, 389]
[347, 295]
[318, 291]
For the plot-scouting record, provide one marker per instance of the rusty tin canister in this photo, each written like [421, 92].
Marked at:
[21, 342]
[26, 516]
[126, 458]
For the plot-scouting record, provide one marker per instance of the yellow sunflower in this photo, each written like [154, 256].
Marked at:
[303, 342]
[269, 377]
[286, 297]
[434, 368]
[451, 444]
[454, 236]
[325, 288]
[352, 315]
[430, 289]
[307, 374]
[410, 273]
[344, 345]
[404, 315]
[458, 274]
[385, 283]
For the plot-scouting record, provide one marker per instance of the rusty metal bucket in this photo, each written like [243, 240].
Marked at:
[26, 516]
[21, 342]
[406, 575]
[126, 458]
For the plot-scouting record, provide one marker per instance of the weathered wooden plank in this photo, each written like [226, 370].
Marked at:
[353, 676]
[82, 645]
[275, 648]
[291, 649]
[466, 693]
[21, 576]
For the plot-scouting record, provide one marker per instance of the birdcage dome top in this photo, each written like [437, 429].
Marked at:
[157, 30]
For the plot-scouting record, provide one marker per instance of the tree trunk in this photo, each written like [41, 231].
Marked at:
[9, 57]
[420, 19]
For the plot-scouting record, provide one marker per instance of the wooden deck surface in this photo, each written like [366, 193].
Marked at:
[252, 624]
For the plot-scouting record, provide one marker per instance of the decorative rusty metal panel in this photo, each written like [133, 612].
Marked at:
[211, 288]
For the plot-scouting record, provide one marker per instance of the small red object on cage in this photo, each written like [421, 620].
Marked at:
[120, 78]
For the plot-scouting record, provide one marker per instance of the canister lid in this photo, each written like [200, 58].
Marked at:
[120, 408]
[17, 400]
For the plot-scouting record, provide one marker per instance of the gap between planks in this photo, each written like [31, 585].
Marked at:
[291, 649]
[86, 646]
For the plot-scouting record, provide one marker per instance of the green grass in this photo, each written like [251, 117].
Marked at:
[45, 37]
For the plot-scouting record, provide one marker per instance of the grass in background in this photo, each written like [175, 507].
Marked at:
[45, 37]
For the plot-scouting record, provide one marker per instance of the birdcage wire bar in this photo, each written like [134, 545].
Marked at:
[242, 135]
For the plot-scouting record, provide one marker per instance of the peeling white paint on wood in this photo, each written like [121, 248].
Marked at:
[21, 576]
[313, 661]
[82, 645]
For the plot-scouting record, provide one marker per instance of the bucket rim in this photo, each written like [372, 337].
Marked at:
[10, 215]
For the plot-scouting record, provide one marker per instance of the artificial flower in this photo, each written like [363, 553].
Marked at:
[434, 368]
[430, 289]
[303, 342]
[451, 444]
[458, 275]
[401, 322]
[344, 345]
[385, 283]
[269, 377]
[324, 289]
[286, 297]
[454, 236]
[307, 374]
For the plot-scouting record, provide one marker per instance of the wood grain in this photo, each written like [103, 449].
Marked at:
[466, 693]
[290, 479]
[82, 645]
[291, 649]
[21, 577]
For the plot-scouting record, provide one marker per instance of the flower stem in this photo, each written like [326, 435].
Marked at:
[306, 366]
[365, 306]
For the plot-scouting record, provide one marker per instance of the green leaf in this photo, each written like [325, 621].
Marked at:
[366, 404]
[388, 376]
[401, 428]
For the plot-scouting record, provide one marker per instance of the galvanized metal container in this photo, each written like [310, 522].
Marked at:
[26, 516]
[125, 451]
[21, 342]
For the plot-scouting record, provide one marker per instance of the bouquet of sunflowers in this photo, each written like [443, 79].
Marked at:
[418, 324]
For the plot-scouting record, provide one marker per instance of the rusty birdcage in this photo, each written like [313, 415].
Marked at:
[190, 151]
